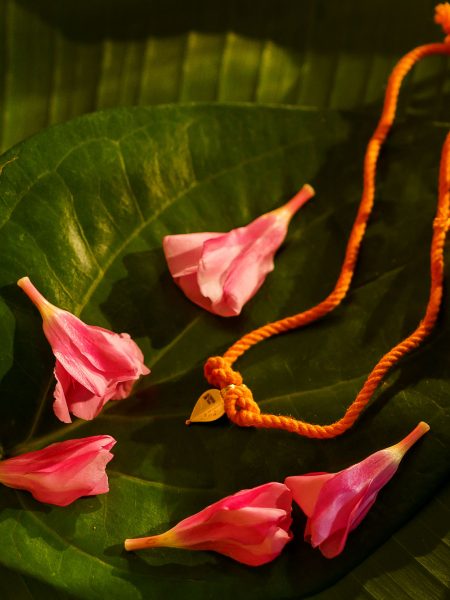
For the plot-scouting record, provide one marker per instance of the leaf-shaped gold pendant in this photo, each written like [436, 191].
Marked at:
[209, 407]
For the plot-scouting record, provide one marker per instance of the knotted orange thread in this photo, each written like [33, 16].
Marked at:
[240, 406]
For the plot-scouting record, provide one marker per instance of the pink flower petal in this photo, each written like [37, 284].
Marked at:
[82, 402]
[336, 503]
[306, 489]
[333, 545]
[184, 251]
[190, 287]
[93, 364]
[253, 555]
[62, 472]
[342, 493]
[221, 272]
[233, 267]
[251, 526]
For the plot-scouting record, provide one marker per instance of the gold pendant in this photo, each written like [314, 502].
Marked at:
[209, 407]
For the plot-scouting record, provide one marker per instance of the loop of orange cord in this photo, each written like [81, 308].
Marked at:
[240, 406]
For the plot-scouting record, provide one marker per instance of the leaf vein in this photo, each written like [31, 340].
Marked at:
[192, 186]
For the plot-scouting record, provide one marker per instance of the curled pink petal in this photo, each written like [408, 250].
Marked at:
[184, 251]
[251, 526]
[336, 503]
[62, 472]
[222, 271]
[93, 365]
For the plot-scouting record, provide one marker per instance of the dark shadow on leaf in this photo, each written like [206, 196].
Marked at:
[164, 18]
[147, 303]
[33, 364]
[196, 570]
[11, 581]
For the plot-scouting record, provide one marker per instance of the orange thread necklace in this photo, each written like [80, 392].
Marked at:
[238, 402]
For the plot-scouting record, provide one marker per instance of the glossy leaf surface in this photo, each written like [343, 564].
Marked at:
[62, 59]
[84, 207]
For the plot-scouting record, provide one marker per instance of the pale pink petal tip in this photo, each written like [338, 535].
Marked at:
[222, 271]
[252, 526]
[62, 472]
[336, 503]
[93, 365]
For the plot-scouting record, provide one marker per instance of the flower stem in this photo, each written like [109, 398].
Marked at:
[300, 198]
[405, 444]
[153, 541]
[43, 305]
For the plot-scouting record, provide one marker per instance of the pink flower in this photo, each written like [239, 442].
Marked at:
[62, 472]
[222, 271]
[93, 365]
[336, 503]
[251, 526]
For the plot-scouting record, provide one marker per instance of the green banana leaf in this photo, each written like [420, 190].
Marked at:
[62, 59]
[85, 207]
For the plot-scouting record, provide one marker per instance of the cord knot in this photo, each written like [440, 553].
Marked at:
[442, 17]
[238, 400]
[219, 373]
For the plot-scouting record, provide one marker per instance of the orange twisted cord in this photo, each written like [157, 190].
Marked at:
[238, 399]
[442, 17]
